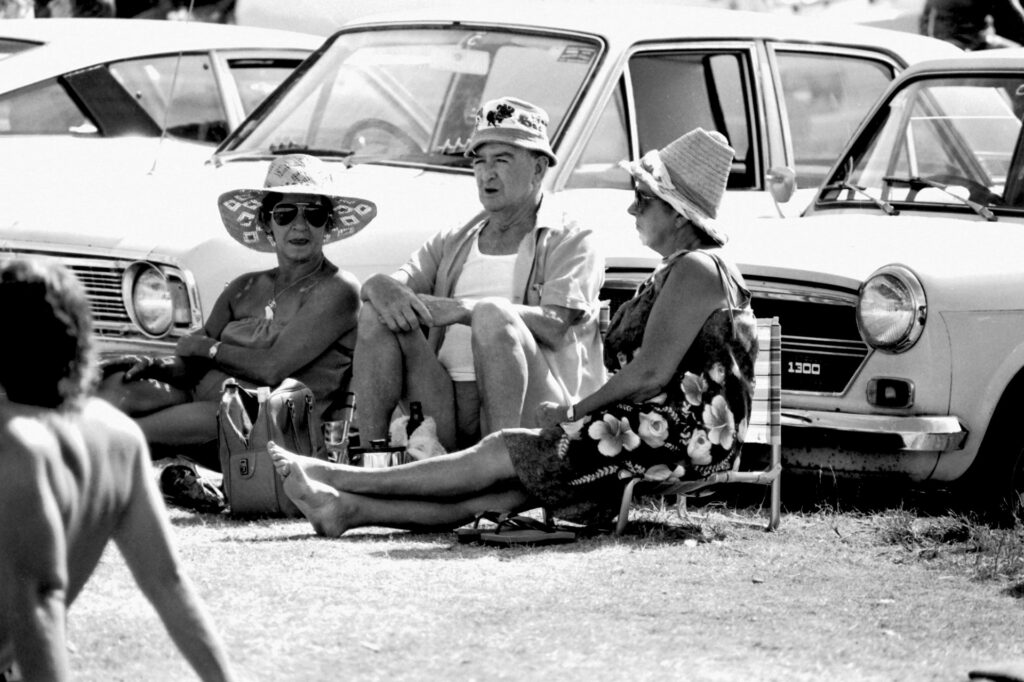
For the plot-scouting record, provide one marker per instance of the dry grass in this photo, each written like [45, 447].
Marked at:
[850, 595]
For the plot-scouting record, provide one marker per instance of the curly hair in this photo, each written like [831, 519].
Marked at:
[47, 358]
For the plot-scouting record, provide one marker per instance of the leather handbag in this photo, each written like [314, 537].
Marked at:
[246, 421]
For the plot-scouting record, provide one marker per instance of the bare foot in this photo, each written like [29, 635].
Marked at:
[322, 505]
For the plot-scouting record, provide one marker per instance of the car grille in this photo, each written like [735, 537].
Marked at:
[102, 282]
[821, 347]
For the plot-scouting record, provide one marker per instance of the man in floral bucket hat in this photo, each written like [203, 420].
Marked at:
[508, 302]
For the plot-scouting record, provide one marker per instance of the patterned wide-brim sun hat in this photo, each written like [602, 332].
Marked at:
[292, 174]
[690, 175]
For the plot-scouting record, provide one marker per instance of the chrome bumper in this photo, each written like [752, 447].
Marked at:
[893, 434]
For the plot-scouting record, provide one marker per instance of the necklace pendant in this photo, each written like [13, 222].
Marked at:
[268, 311]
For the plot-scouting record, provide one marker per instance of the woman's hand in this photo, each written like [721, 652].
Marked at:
[194, 345]
[550, 414]
[133, 366]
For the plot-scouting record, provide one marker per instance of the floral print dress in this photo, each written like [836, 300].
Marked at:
[693, 427]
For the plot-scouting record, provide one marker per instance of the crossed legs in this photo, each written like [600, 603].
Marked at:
[433, 494]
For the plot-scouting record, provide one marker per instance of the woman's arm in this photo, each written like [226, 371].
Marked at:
[691, 292]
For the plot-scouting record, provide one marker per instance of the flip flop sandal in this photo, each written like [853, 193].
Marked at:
[182, 486]
[501, 520]
[504, 536]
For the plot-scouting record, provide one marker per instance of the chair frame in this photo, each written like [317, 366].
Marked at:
[764, 428]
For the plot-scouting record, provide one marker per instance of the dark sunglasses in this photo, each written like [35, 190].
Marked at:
[642, 199]
[316, 215]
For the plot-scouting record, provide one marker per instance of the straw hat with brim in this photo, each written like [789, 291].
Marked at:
[690, 175]
[292, 174]
[512, 121]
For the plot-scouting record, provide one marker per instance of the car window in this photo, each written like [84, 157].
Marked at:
[598, 165]
[43, 109]
[676, 92]
[257, 78]
[192, 110]
[826, 96]
[939, 139]
[410, 95]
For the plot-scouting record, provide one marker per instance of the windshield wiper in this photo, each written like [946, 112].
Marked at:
[295, 148]
[884, 206]
[916, 183]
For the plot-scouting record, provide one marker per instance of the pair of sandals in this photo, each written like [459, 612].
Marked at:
[183, 486]
[511, 530]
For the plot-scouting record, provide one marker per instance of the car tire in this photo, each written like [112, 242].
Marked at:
[993, 486]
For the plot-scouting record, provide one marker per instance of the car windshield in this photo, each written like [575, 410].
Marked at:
[949, 142]
[409, 96]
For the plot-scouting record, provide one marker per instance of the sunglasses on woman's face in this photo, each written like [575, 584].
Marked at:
[315, 215]
[643, 199]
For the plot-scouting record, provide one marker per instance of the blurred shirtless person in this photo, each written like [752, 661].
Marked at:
[74, 473]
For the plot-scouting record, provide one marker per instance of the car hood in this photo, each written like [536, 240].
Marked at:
[842, 250]
[68, 158]
[171, 216]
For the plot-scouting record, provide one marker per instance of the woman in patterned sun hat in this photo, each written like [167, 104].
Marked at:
[297, 320]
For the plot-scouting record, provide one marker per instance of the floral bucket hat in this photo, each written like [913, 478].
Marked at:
[512, 121]
[292, 174]
[690, 175]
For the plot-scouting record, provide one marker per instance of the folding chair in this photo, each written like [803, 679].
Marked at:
[764, 428]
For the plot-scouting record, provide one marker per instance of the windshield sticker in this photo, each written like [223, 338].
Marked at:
[456, 147]
[578, 54]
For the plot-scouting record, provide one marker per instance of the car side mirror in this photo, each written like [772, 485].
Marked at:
[781, 181]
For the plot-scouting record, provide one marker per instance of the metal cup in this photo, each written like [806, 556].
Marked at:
[376, 459]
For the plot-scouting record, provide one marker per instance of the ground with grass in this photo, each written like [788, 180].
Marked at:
[838, 594]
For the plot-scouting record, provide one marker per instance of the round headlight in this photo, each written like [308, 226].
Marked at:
[892, 308]
[152, 306]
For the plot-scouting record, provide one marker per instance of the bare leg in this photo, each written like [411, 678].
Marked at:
[332, 512]
[376, 375]
[389, 366]
[511, 373]
[186, 424]
[457, 474]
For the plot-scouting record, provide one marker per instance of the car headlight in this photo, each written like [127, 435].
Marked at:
[148, 298]
[892, 309]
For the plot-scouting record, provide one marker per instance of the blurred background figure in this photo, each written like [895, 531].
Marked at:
[213, 11]
[17, 9]
[974, 24]
[74, 8]
[74, 474]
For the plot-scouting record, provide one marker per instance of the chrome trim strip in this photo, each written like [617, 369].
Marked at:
[917, 433]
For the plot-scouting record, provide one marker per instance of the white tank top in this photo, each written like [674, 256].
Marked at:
[482, 276]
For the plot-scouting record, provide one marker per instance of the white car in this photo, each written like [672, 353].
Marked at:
[70, 87]
[901, 290]
[390, 102]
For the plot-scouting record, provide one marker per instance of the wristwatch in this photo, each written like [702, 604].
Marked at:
[570, 414]
[212, 353]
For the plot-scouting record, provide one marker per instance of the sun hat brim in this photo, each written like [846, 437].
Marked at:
[239, 211]
[514, 137]
[672, 197]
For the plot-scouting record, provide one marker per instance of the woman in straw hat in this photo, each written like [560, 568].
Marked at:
[297, 320]
[682, 349]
